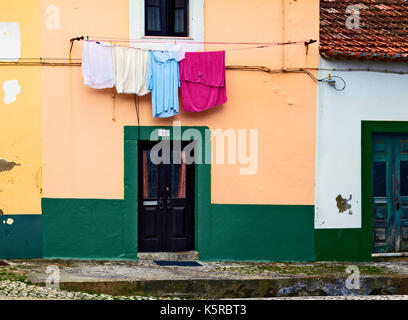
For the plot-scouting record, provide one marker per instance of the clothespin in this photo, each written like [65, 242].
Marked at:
[175, 41]
[87, 38]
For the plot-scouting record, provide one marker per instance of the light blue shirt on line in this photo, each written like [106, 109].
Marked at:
[163, 81]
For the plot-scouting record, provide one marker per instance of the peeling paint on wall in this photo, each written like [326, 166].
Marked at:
[6, 165]
[38, 181]
[10, 41]
[11, 90]
[9, 221]
[342, 203]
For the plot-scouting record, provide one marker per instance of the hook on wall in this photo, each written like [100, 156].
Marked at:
[307, 43]
[75, 39]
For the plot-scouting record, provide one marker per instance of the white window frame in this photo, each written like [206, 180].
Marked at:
[195, 26]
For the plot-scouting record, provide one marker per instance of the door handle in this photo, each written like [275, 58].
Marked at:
[397, 203]
[169, 204]
[161, 204]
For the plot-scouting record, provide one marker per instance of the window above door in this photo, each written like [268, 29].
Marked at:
[166, 18]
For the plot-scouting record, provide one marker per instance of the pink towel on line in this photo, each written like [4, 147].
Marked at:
[202, 77]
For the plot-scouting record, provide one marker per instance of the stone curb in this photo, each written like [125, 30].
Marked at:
[246, 288]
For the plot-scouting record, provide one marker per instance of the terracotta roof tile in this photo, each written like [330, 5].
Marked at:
[382, 32]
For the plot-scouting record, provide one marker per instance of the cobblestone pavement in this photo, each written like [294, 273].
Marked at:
[10, 290]
[92, 270]
[24, 278]
[17, 289]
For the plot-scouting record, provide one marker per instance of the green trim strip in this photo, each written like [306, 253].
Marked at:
[260, 233]
[202, 178]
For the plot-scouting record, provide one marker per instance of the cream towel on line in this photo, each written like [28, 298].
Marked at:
[130, 69]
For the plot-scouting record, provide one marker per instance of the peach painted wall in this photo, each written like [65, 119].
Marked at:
[83, 147]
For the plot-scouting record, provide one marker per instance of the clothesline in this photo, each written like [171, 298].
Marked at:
[234, 49]
[258, 45]
[188, 41]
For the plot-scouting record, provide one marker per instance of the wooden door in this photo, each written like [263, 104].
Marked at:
[166, 202]
[390, 193]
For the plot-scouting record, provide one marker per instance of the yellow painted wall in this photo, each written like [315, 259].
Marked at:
[20, 121]
[83, 147]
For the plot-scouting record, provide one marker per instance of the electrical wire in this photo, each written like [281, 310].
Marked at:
[327, 79]
[11, 60]
[360, 70]
[77, 63]
[333, 82]
[66, 62]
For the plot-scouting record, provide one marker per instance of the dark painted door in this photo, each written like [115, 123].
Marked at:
[166, 202]
[390, 192]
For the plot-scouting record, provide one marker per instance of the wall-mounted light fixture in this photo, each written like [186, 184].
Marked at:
[332, 82]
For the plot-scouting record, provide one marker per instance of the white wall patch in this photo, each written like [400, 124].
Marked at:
[10, 41]
[369, 96]
[11, 90]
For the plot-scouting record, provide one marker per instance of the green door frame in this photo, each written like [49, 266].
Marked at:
[367, 129]
[202, 195]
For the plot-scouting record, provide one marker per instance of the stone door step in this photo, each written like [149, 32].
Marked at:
[172, 256]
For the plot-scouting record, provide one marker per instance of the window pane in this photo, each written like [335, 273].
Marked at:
[404, 178]
[179, 20]
[153, 19]
[178, 177]
[379, 179]
[150, 177]
[179, 4]
[153, 2]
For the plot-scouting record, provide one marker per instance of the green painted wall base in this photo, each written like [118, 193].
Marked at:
[83, 228]
[259, 232]
[95, 229]
[21, 239]
[341, 245]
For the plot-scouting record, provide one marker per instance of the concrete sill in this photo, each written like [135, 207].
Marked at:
[165, 38]
[390, 254]
[172, 256]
